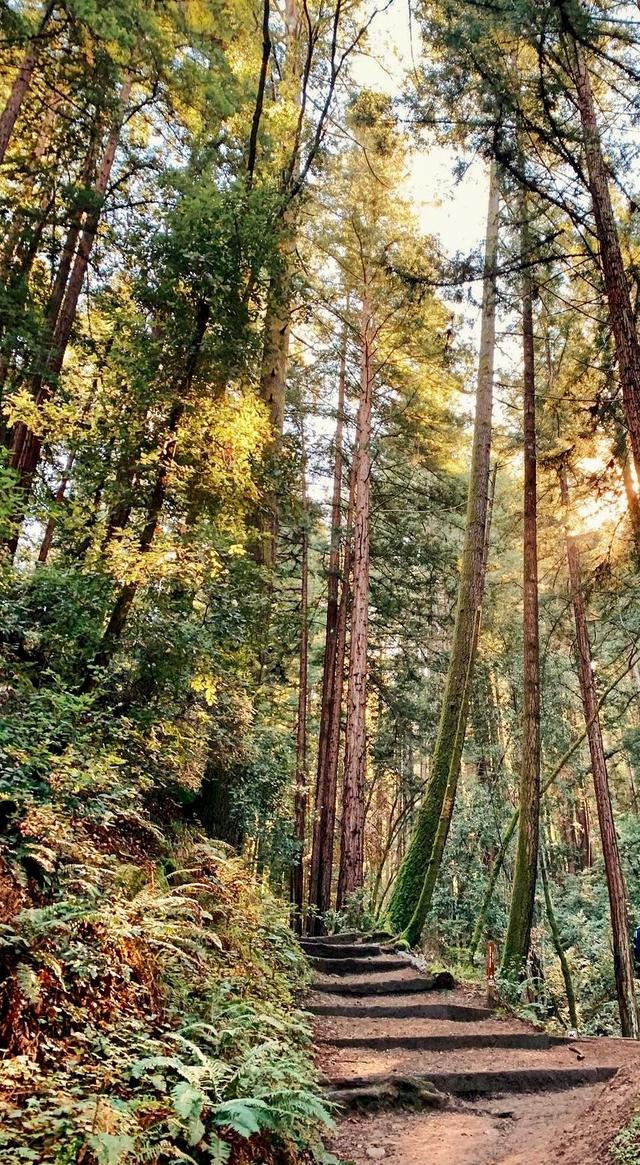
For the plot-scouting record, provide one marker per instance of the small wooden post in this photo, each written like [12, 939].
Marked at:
[490, 966]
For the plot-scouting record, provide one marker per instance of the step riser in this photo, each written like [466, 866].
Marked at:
[441, 1043]
[350, 936]
[443, 982]
[349, 966]
[319, 950]
[478, 1083]
[451, 1011]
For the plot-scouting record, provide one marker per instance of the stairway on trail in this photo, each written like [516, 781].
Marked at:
[390, 1035]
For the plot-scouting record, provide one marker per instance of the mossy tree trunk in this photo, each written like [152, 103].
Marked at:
[413, 931]
[451, 730]
[523, 891]
[559, 948]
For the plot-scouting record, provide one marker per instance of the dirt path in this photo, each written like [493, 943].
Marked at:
[505, 1093]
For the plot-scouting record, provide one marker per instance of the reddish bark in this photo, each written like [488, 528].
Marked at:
[26, 446]
[22, 81]
[325, 796]
[300, 797]
[518, 936]
[622, 959]
[351, 873]
[621, 315]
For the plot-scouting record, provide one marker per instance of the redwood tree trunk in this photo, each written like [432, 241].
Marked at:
[351, 873]
[26, 445]
[300, 797]
[621, 315]
[518, 937]
[410, 880]
[22, 82]
[325, 797]
[620, 930]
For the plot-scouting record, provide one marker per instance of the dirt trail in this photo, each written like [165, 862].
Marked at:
[505, 1093]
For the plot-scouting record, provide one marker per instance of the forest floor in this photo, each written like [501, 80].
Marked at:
[506, 1093]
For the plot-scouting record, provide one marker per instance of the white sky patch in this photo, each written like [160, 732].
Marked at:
[455, 212]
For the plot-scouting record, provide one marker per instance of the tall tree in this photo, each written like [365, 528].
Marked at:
[451, 729]
[302, 773]
[321, 866]
[618, 902]
[351, 872]
[518, 937]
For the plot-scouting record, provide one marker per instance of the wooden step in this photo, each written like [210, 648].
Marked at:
[456, 1012]
[443, 981]
[323, 950]
[348, 936]
[444, 1043]
[347, 966]
[435, 1087]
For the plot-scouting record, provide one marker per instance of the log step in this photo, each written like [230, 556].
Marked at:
[435, 1087]
[325, 950]
[348, 936]
[347, 966]
[456, 1012]
[443, 981]
[445, 1043]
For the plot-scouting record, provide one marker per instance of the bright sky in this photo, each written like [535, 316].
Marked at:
[453, 211]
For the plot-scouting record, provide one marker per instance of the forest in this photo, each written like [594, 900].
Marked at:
[320, 540]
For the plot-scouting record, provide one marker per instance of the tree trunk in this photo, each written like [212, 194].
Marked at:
[448, 747]
[621, 316]
[413, 931]
[11, 247]
[26, 445]
[325, 797]
[351, 872]
[125, 599]
[20, 433]
[22, 81]
[621, 454]
[557, 942]
[511, 828]
[47, 540]
[300, 797]
[620, 930]
[524, 879]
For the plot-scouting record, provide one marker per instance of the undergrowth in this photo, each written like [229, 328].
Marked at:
[625, 1149]
[147, 1009]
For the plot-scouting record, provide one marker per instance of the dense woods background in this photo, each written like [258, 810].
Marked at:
[272, 460]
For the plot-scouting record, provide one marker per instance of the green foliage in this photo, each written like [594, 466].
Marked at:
[625, 1149]
[169, 1016]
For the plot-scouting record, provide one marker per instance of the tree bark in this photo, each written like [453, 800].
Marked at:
[620, 929]
[125, 599]
[518, 936]
[301, 793]
[26, 447]
[451, 730]
[47, 540]
[621, 454]
[511, 828]
[559, 948]
[621, 315]
[22, 81]
[351, 872]
[413, 931]
[325, 796]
